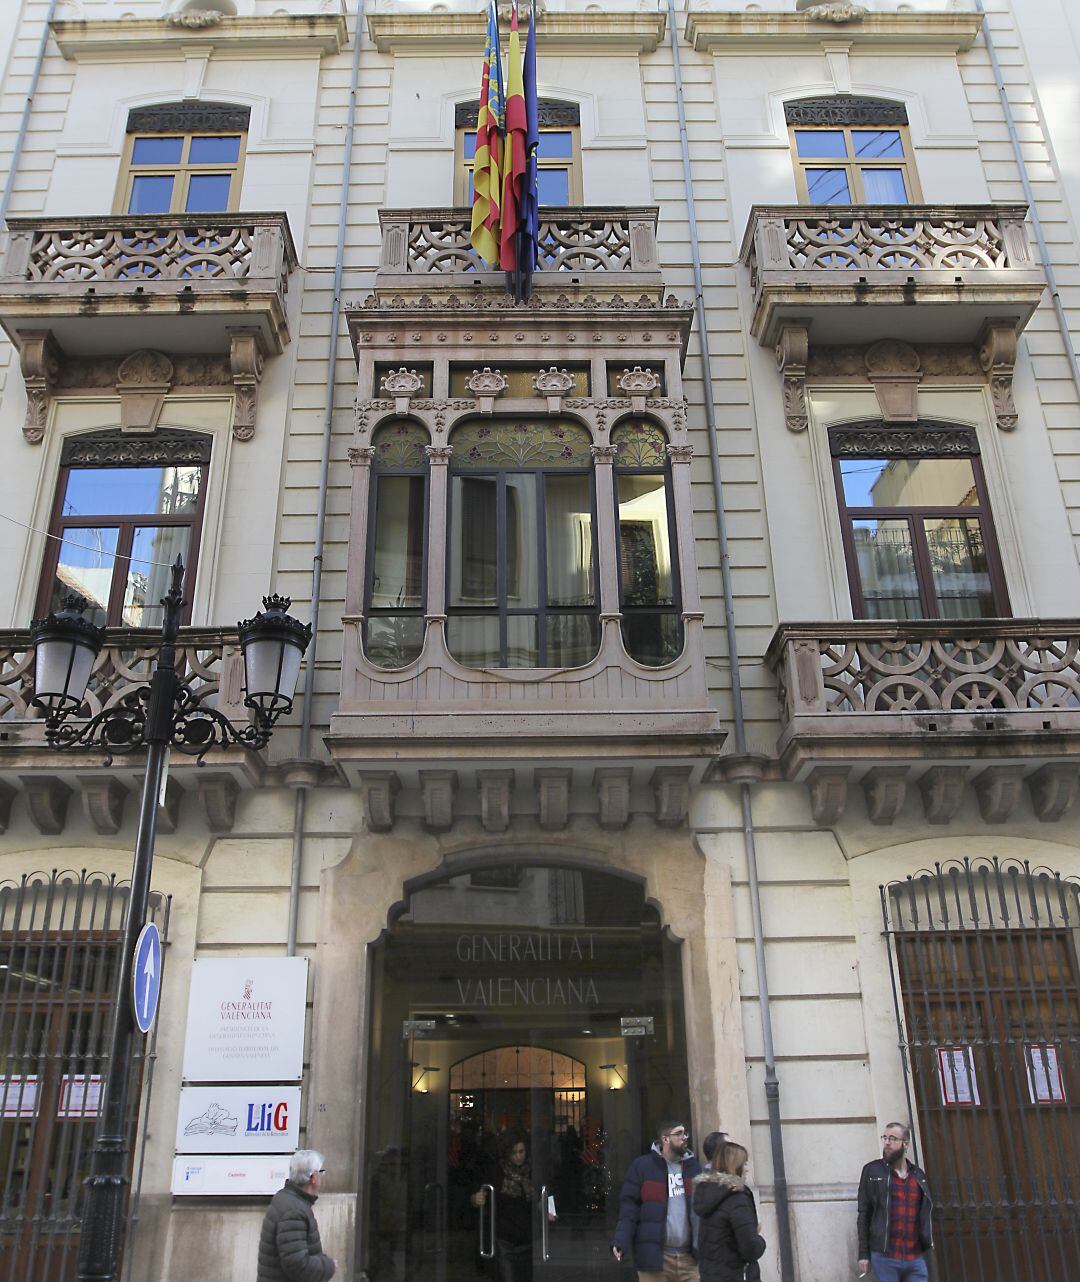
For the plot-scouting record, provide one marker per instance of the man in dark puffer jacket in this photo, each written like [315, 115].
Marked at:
[290, 1249]
[656, 1219]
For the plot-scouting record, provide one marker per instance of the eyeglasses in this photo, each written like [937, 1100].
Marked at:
[893, 1139]
[321, 1170]
[680, 1134]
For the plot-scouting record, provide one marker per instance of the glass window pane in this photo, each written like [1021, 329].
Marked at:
[151, 194]
[568, 516]
[394, 640]
[474, 640]
[153, 551]
[132, 491]
[398, 562]
[885, 563]
[522, 551]
[879, 143]
[644, 543]
[85, 565]
[828, 187]
[469, 144]
[904, 482]
[572, 639]
[553, 186]
[652, 638]
[208, 193]
[961, 573]
[223, 150]
[474, 540]
[157, 151]
[556, 144]
[820, 142]
[884, 186]
[522, 644]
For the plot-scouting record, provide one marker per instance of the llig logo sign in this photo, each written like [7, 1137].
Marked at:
[238, 1119]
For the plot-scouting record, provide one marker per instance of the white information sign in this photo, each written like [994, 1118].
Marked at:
[246, 1019]
[237, 1176]
[956, 1076]
[238, 1119]
[1045, 1085]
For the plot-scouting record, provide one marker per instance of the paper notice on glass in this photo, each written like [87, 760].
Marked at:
[956, 1076]
[1045, 1085]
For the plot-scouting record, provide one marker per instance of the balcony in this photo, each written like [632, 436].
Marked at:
[993, 703]
[113, 285]
[210, 660]
[858, 273]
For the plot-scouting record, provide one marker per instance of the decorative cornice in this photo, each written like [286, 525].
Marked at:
[845, 109]
[885, 32]
[305, 34]
[501, 302]
[448, 33]
[872, 439]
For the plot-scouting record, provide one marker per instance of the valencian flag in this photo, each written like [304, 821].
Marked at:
[513, 156]
[487, 162]
[529, 233]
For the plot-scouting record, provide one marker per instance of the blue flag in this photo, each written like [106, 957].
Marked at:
[530, 197]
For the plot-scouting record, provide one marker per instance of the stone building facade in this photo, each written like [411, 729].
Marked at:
[557, 861]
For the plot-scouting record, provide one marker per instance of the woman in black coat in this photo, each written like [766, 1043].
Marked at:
[729, 1244]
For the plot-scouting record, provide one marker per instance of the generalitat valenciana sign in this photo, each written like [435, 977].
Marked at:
[238, 1119]
[228, 1176]
[246, 1019]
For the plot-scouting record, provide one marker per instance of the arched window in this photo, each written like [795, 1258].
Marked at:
[394, 615]
[522, 562]
[648, 573]
[851, 151]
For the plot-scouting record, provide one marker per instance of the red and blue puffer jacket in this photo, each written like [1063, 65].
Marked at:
[643, 1208]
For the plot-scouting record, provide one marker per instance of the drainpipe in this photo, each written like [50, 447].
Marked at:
[28, 107]
[772, 1083]
[1029, 196]
[324, 479]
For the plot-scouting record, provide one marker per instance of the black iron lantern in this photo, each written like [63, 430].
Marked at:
[66, 645]
[273, 643]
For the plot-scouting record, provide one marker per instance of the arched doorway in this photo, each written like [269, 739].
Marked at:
[521, 1001]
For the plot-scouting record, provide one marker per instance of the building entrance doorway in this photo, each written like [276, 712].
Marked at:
[527, 1034]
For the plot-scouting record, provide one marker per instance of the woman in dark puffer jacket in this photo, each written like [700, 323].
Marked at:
[729, 1244]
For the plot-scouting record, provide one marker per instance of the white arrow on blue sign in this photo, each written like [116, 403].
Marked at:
[146, 977]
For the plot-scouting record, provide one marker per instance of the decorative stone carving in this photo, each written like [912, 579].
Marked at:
[893, 369]
[47, 798]
[612, 784]
[884, 788]
[379, 789]
[1053, 790]
[103, 798]
[929, 439]
[792, 353]
[402, 384]
[838, 13]
[604, 453]
[844, 109]
[997, 356]
[39, 359]
[246, 363]
[998, 789]
[495, 789]
[195, 19]
[942, 789]
[143, 380]
[552, 115]
[437, 791]
[189, 117]
[7, 796]
[217, 795]
[671, 790]
[936, 360]
[553, 797]
[680, 453]
[638, 383]
[486, 384]
[168, 814]
[827, 786]
[361, 455]
[441, 454]
[166, 447]
[553, 383]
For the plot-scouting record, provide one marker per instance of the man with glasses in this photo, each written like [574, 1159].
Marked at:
[290, 1249]
[894, 1212]
[656, 1218]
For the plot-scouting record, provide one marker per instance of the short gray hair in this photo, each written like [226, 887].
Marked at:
[303, 1164]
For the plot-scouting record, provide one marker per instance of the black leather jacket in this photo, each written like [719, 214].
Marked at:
[874, 1208]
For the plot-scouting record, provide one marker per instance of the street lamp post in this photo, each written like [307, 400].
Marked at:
[166, 715]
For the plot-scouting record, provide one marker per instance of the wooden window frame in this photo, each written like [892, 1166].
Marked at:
[463, 167]
[182, 171]
[851, 164]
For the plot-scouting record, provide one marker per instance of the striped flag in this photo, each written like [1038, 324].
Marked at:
[487, 162]
[529, 237]
[513, 152]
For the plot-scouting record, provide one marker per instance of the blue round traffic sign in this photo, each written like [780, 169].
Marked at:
[146, 977]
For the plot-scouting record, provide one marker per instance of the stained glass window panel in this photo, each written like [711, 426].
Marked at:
[640, 444]
[520, 444]
[399, 447]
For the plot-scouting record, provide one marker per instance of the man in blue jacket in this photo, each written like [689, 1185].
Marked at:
[656, 1216]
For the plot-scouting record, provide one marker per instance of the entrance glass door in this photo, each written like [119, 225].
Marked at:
[525, 1038]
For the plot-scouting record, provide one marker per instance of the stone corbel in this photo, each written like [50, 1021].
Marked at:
[379, 789]
[103, 798]
[553, 383]
[495, 789]
[884, 788]
[553, 797]
[7, 796]
[671, 790]
[246, 363]
[47, 798]
[827, 786]
[612, 784]
[942, 789]
[998, 791]
[217, 795]
[792, 353]
[485, 384]
[437, 790]
[39, 357]
[168, 814]
[997, 355]
[142, 383]
[1053, 790]
[895, 371]
[402, 384]
[639, 384]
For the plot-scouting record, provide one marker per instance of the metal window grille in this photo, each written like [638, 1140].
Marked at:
[60, 939]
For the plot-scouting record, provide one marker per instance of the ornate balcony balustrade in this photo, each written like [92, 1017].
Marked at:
[114, 284]
[856, 272]
[997, 699]
[597, 245]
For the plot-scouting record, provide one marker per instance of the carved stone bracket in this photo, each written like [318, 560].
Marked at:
[441, 454]
[361, 455]
[671, 790]
[485, 384]
[792, 353]
[885, 788]
[7, 796]
[39, 357]
[553, 797]
[998, 791]
[604, 453]
[1053, 790]
[553, 383]
[639, 384]
[103, 798]
[942, 789]
[47, 798]
[217, 796]
[142, 383]
[894, 370]
[612, 784]
[402, 384]
[246, 363]
[997, 355]
[495, 789]
[437, 790]
[168, 814]
[828, 793]
[680, 453]
[379, 788]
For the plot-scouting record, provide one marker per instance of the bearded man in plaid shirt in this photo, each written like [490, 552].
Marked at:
[894, 1212]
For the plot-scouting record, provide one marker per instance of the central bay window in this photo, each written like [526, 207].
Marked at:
[522, 551]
